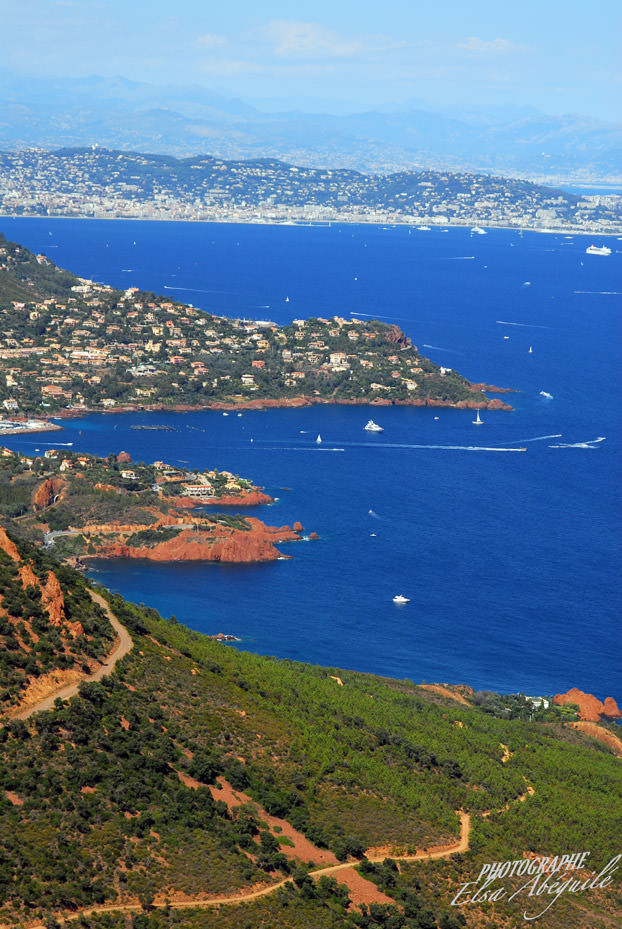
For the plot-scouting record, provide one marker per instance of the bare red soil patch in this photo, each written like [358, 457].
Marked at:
[302, 848]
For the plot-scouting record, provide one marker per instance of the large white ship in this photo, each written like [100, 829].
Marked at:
[597, 250]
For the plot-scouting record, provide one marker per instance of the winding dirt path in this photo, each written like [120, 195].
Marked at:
[346, 869]
[202, 902]
[123, 644]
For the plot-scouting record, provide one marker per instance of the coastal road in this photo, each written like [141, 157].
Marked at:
[123, 644]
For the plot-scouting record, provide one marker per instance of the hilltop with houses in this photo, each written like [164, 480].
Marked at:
[72, 345]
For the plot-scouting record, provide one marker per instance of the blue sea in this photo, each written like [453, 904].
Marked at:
[510, 559]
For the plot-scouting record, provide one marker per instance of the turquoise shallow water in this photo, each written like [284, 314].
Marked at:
[510, 559]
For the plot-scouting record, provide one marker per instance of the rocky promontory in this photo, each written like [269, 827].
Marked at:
[219, 543]
[245, 498]
[590, 707]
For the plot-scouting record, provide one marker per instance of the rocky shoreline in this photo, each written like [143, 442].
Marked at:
[219, 544]
[271, 403]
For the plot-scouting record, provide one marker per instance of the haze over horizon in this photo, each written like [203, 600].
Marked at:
[334, 58]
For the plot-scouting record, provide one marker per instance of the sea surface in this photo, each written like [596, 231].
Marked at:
[510, 559]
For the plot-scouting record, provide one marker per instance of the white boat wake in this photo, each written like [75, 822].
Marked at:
[437, 348]
[542, 438]
[504, 322]
[199, 290]
[591, 443]
[461, 448]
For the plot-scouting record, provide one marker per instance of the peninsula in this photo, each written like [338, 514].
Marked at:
[82, 506]
[71, 346]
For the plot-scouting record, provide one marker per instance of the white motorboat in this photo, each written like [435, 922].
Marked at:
[597, 250]
[373, 427]
[398, 598]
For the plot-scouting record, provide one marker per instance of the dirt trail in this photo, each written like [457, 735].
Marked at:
[203, 902]
[123, 644]
[350, 877]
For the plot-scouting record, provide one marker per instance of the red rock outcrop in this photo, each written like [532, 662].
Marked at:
[52, 597]
[602, 734]
[46, 492]
[9, 547]
[246, 498]
[397, 337]
[53, 600]
[590, 707]
[611, 709]
[491, 389]
[123, 458]
[220, 543]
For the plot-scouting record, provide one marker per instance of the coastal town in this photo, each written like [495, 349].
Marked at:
[103, 184]
[71, 345]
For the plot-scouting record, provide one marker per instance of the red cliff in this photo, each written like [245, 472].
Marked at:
[221, 543]
[52, 598]
[590, 707]
[611, 709]
[46, 492]
[245, 498]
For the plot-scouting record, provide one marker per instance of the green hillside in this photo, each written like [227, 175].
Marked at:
[25, 276]
[106, 800]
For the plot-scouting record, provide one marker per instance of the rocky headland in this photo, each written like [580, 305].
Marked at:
[590, 708]
[219, 543]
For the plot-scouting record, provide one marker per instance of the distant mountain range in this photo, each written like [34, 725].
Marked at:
[122, 114]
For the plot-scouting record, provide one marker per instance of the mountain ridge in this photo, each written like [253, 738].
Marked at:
[182, 120]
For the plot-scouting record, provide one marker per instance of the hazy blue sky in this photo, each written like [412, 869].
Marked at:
[558, 55]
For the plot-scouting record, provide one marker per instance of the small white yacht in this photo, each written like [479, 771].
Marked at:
[318, 441]
[478, 421]
[373, 427]
[398, 598]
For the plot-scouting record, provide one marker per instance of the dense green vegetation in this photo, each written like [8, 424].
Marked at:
[151, 537]
[93, 807]
[23, 276]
